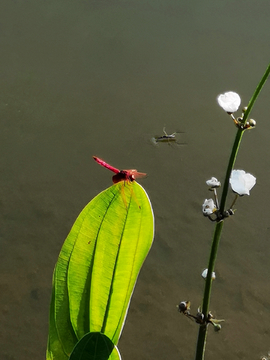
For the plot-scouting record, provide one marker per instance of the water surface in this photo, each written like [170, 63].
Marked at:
[82, 78]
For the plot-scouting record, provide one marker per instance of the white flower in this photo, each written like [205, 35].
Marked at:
[208, 207]
[213, 182]
[230, 101]
[204, 274]
[242, 182]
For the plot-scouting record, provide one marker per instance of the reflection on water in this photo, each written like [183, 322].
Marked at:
[99, 78]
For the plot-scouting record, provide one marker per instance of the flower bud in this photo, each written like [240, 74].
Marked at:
[204, 274]
[252, 122]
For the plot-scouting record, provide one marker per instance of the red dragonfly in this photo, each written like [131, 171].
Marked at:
[120, 175]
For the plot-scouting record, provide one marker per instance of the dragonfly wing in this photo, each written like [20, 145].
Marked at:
[136, 174]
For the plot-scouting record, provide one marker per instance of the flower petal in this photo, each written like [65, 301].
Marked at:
[242, 182]
[229, 101]
[208, 207]
[213, 182]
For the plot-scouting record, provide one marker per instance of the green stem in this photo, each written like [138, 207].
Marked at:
[232, 159]
[256, 93]
[201, 342]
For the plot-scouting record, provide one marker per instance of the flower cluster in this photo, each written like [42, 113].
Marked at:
[241, 184]
[240, 181]
[210, 206]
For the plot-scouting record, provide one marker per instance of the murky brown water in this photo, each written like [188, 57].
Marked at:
[82, 78]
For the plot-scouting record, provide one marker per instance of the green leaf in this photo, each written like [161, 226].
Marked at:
[98, 267]
[95, 346]
[59, 346]
[115, 355]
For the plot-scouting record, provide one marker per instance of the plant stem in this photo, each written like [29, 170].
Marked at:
[232, 159]
[213, 254]
[201, 342]
[238, 138]
[256, 93]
